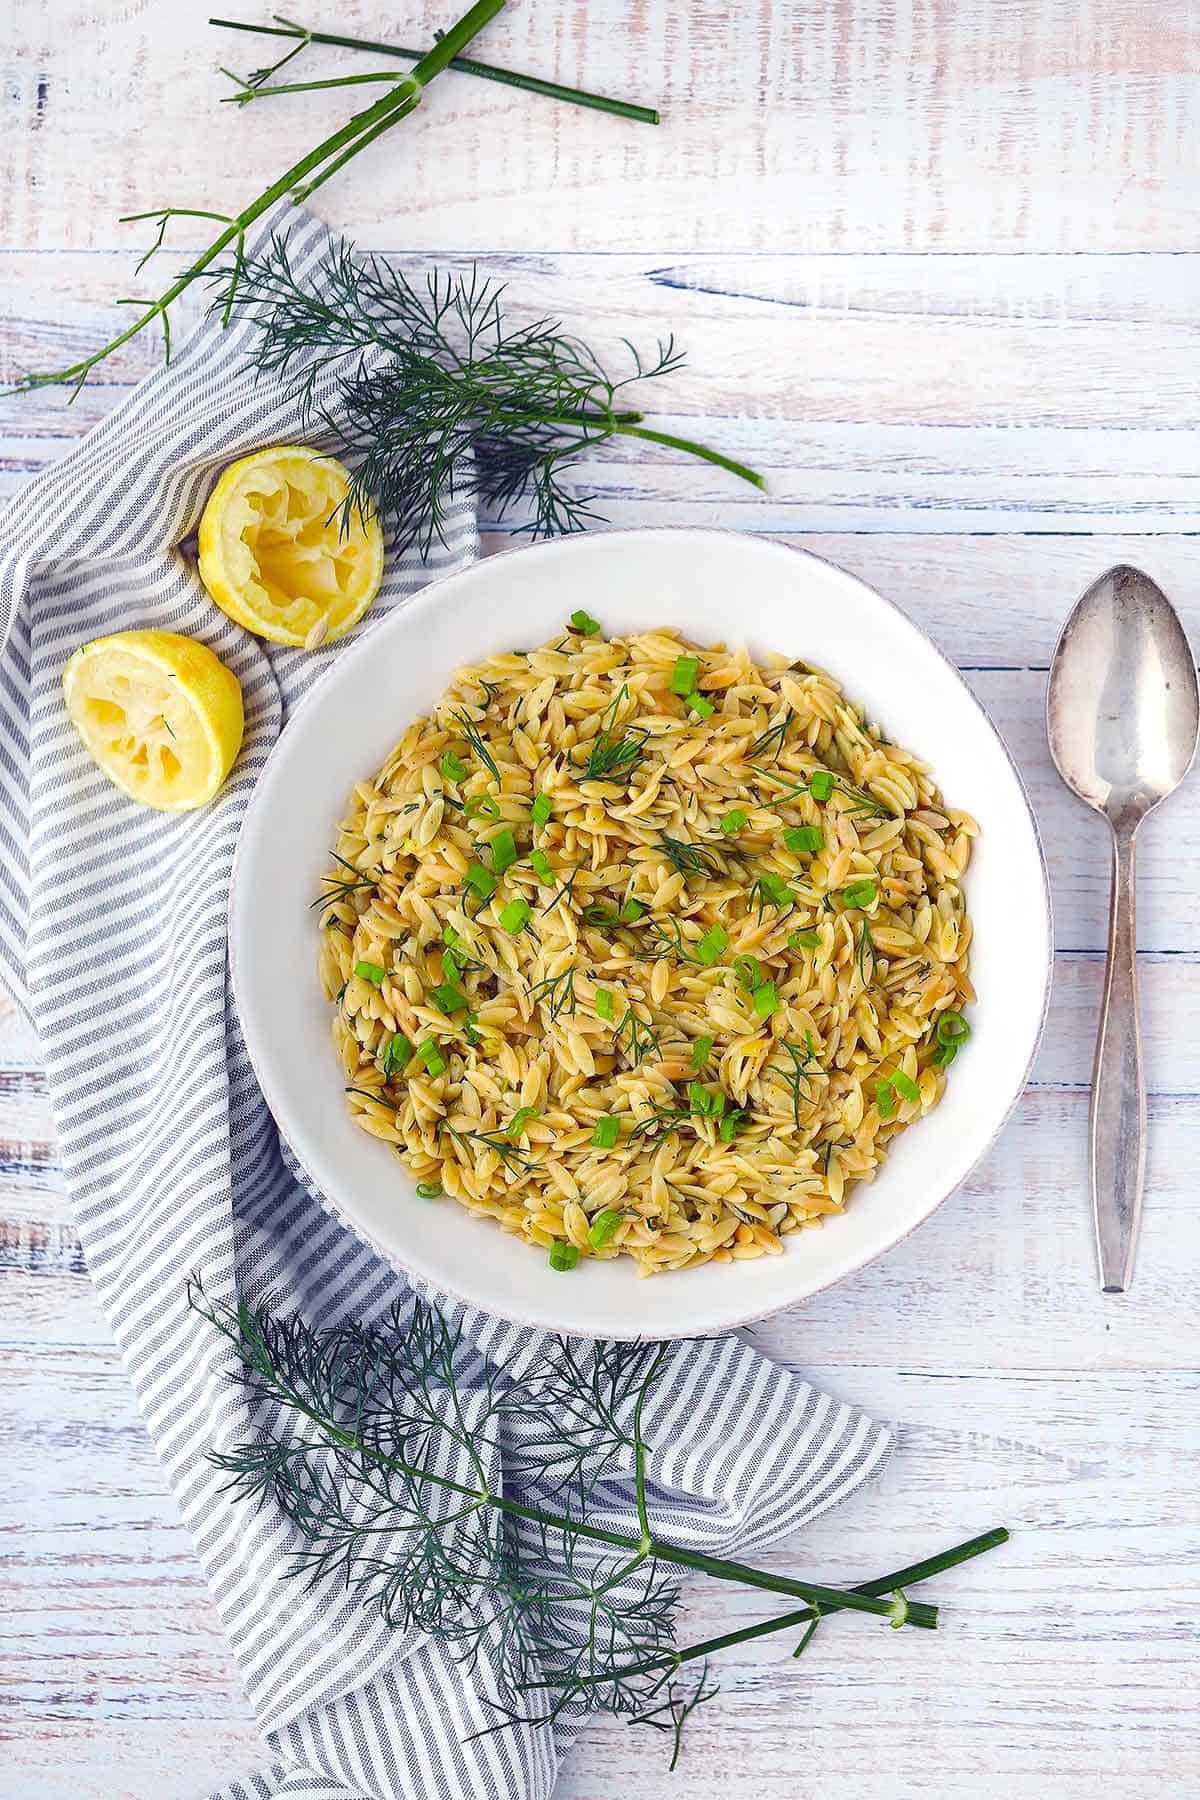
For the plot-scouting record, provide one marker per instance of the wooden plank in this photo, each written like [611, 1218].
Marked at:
[890, 393]
[974, 126]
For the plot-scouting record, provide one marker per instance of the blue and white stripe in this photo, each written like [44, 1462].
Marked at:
[112, 939]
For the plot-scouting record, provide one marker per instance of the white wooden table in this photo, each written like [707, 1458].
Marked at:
[937, 268]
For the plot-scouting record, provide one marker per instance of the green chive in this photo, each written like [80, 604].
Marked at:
[563, 1257]
[952, 1028]
[904, 1085]
[803, 838]
[449, 999]
[734, 821]
[631, 911]
[584, 623]
[805, 940]
[712, 945]
[429, 1054]
[860, 893]
[683, 676]
[731, 1124]
[703, 709]
[604, 1003]
[602, 1227]
[749, 972]
[517, 1123]
[428, 1190]
[821, 785]
[504, 851]
[608, 1130]
[543, 806]
[481, 806]
[369, 972]
[766, 1000]
[885, 1099]
[540, 864]
[397, 1054]
[701, 1051]
[481, 879]
[450, 766]
[514, 917]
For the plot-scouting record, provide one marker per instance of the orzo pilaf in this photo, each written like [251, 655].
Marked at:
[642, 949]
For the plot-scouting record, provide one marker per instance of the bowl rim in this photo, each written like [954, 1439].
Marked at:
[415, 604]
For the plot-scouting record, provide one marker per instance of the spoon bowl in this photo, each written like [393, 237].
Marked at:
[1122, 713]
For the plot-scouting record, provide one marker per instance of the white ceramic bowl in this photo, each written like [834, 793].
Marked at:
[712, 585]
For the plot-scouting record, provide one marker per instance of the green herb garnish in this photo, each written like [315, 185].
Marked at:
[805, 940]
[428, 1190]
[904, 1085]
[885, 1099]
[712, 946]
[611, 756]
[765, 1000]
[683, 676]
[541, 866]
[635, 1039]
[951, 1032]
[771, 741]
[481, 806]
[602, 1227]
[604, 1003]
[563, 1257]
[518, 1122]
[803, 1057]
[704, 1102]
[340, 887]
[504, 851]
[701, 1051]
[508, 1152]
[770, 889]
[608, 1130]
[865, 956]
[734, 821]
[449, 999]
[689, 859]
[481, 879]
[820, 785]
[397, 1054]
[430, 1055]
[749, 972]
[515, 916]
[541, 810]
[451, 767]
[369, 971]
[703, 709]
[802, 839]
[472, 734]
[732, 1123]
[860, 893]
[584, 624]
[556, 993]
[631, 911]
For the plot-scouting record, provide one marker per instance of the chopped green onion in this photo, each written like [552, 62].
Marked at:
[481, 806]
[541, 866]
[428, 1190]
[370, 972]
[765, 999]
[599, 914]
[704, 1103]
[749, 972]
[952, 1028]
[449, 999]
[712, 945]
[481, 879]
[731, 1124]
[904, 1085]
[470, 1029]
[683, 676]
[805, 940]
[631, 911]
[515, 916]
[821, 785]
[451, 767]
[397, 1054]
[734, 821]
[602, 1227]
[701, 1051]
[803, 838]
[429, 1054]
[860, 893]
[604, 1003]
[944, 1055]
[450, 965]
[543, 806]
[775, 888]
[703, 709]
[584, 623]
[504, 851]
[517, 1123]
[563, 1257]
[449, 935]
[885, 1099]
[608, 1130]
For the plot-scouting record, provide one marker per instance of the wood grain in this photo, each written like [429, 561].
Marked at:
[935, 267]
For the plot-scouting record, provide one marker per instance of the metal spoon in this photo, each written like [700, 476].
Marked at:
[1122, 712]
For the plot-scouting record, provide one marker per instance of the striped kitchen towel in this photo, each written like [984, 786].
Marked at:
[112, 938]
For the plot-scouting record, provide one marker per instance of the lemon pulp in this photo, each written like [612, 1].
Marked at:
[273, 551]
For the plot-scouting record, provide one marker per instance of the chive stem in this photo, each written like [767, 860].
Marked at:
[466, 65]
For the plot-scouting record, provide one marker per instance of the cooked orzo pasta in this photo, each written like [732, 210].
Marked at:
[641, 948]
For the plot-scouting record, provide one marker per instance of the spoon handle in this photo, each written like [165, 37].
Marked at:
[1118, 1120]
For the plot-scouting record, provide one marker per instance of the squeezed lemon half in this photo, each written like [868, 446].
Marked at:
[273, 553]
[159, 712]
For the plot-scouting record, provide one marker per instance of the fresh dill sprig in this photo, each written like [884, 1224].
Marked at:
[771, 741]
[556, 993]
[382, 1447]
[865, 955]
[794, 1079]
[865, 805]
[510, 1154]
[471, 732]
[613, 754]
[342, 886]
[689, 859]
[296, 183]
[635, 1039]
[770, 890]
[564, 890]
[659, 1120]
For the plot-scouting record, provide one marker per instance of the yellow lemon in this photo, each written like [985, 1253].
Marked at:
[273, 553]
[159, 712]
